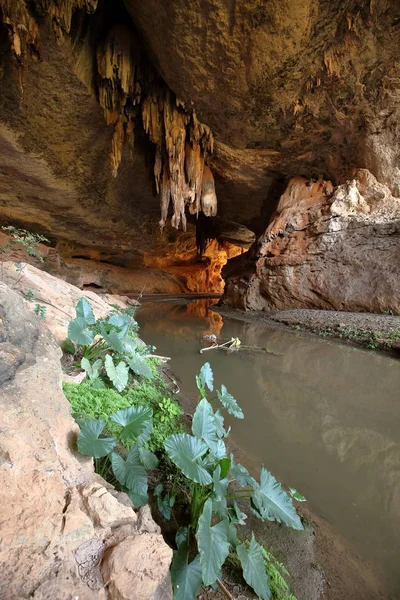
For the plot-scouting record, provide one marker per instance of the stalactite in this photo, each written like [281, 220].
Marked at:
[208, 196]
[117, 145]
[194, 165]
[22, 27]
[165, 197]
[61, 12]
[127, 86]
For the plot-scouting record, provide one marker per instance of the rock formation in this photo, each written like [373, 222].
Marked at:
[329, 248]
[228, 101]
[62, 527]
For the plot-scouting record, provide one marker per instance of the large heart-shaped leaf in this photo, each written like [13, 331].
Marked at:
[186, 452]
[93, 371]
[186, 578]
[84, 311]
[131, 475]
[122, 322]
[136, 421]
[219, 423]
[220, 487]
[269, 501]
[117, 374]
[112, 338]
[241, 474]
[140, 366]
[213, 545]
[129, 344]
[149, 460]
[253, 567]
[230, 403]
[78, 333]
[204, 425]
[89, 441]
[207, 376]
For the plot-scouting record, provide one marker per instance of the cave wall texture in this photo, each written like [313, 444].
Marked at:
[249, 93]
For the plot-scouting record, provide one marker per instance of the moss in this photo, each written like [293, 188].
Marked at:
[90, 403]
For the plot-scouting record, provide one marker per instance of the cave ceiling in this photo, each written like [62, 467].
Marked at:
[259, 90]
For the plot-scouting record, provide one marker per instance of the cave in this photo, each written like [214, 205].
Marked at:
[239, 155]
[126, 127]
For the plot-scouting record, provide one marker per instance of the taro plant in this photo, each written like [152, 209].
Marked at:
[109, 346]
[215, 483]
[128, 466]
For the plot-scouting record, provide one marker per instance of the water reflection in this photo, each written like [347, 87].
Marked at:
[324, 417]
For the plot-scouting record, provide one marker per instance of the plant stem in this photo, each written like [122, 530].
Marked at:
[224, 590]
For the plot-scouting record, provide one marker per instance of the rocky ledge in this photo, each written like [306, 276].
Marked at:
[64, 533]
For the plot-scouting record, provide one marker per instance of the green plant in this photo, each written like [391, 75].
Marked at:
[40, 311]
[29, 242]
[213, 479]
[29, 295]
[129, 469]
[109, 346]
[275, 570]
[88, 402]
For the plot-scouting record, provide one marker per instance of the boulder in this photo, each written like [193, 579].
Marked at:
[326, 247]
[57, 296]
[59, 520]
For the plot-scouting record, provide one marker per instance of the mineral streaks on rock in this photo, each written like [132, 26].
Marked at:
[328, 248]
[58, 519]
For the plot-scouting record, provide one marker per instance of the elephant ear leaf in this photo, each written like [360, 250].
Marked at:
[140, 366]
[270, 501]
[117, 374]
[230, 403]
[254, 572]
[207, 376]
[136, 422]
[213, 545]
[186, 578]
[78, 333]
[92, 370]
[90, 442]
[84, 311]
[186, 452]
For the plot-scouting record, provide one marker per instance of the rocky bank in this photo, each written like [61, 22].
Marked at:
[64, 533]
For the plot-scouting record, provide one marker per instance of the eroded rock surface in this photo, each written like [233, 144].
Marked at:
[58, 297]
[329, 248]
[58, 519]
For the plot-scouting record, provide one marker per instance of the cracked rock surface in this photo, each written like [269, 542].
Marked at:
[326, 248]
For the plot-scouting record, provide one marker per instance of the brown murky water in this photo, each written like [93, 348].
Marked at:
[323, 417]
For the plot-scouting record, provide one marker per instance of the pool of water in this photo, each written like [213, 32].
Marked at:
[322, 416]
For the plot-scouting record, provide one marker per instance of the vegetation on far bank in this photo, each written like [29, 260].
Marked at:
[132, 426]
[368, 338]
